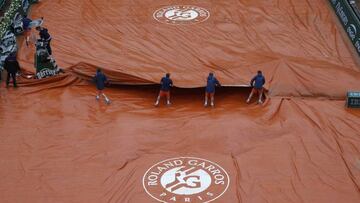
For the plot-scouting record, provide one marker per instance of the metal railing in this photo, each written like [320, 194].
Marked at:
[355, 8]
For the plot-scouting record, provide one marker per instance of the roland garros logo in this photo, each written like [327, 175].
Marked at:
[186, 179]
[181, 14]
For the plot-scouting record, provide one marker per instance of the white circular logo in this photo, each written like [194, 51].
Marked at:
[186, 179]
[181, 14]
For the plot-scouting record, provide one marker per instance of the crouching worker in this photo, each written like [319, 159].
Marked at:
[46, 37]
[165, 85]
[212, 82]
[11, 65]
[257, 84]
[101, 80]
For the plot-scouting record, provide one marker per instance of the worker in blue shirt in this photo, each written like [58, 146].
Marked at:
[257, 84]
[27, 29]
[212, 82]
[101, 80]
[11, 65]
[165, 85]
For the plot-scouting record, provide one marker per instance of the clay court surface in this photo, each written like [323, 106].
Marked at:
[58, 144]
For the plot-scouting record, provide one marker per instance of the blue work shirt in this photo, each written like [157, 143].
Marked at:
[26, 22]
[100, 80]
[211, 83]
[166, 83]
[259, 81]
[11, 64]
[44, 34]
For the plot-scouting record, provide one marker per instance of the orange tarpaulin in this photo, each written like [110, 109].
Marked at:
[58, 144]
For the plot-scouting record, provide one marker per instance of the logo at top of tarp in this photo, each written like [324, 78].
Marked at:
[181, 14]
[186, 179]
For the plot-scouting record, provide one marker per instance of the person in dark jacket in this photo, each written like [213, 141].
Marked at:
[27, 29]
[257, 84]
[165, 85]
[101, 80]
[46, 37]
[212, 82]
[11, 65]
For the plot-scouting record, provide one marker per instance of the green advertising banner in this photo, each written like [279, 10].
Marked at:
[353, 100]
[349, 21]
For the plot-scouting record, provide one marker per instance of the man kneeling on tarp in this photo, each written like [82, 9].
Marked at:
[212, 82]
[46, 37]
[257, 84]
[101, 80]
[165, 85]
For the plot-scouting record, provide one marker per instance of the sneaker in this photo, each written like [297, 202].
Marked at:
[156, 103]
[248, 101]
[97, 97]
[168, 103]
[260, 102]
[205, 104]
[212, 104]
[107, 101]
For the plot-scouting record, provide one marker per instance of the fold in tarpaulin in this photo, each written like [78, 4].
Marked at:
[59, 144]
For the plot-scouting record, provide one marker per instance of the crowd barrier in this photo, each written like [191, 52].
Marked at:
[349, 21]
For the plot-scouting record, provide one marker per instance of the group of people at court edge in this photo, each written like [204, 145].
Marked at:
[11, 65]
[257, 83]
